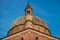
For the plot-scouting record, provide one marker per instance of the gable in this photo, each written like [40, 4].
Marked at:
[29, 34]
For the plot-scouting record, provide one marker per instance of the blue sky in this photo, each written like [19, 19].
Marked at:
[48, 10]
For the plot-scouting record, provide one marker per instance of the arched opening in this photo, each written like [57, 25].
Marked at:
[36, 38]
[28, 11]
[22, 38]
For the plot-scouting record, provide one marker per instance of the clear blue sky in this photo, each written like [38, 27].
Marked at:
[48, 10]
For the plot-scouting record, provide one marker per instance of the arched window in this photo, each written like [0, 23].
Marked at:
[22, 38]
[28, 11]
[36, 38]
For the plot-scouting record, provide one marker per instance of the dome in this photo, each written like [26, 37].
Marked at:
[28, 22]
[21, 20]
[19, 25]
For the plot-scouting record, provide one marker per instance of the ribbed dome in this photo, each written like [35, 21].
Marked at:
[28, 21]
[37, 24]
[21, 20]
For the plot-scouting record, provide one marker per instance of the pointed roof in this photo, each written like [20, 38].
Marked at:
[28, 6]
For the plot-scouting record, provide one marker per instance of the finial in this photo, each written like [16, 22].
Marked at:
[28, 6]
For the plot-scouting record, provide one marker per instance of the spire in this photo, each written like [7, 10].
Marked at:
[28, 9]
[28, 6]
